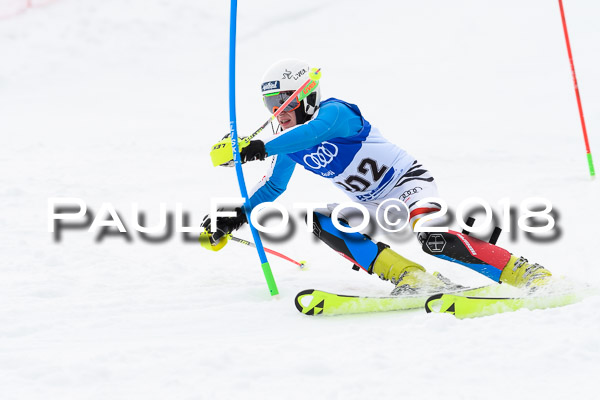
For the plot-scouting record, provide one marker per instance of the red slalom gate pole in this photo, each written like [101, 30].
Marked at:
[585, 136]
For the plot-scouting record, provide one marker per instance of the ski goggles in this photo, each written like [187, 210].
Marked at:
[274, 100]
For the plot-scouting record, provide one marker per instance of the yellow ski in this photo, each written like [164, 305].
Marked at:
[464, 306]
[316, 302]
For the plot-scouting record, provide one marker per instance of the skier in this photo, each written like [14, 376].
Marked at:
[332, 139]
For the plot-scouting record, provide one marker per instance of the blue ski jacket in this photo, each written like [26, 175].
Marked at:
[336, 119]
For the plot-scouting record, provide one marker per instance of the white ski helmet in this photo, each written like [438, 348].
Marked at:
[287, 76]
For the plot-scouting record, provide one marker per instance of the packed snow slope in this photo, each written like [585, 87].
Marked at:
[119, 101]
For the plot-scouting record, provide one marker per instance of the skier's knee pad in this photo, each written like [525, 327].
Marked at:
[483, 257]
[355, 246]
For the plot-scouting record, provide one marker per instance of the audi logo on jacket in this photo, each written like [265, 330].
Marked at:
[336, 144]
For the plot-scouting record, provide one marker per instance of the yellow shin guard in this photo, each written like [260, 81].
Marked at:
[520, 273]
[390, 265]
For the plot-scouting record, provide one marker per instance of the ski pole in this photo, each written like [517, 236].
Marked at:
[585, 136]
[275, 253]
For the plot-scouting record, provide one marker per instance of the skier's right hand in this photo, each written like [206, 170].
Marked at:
[255, 150]
[222, 155]
[225, 225]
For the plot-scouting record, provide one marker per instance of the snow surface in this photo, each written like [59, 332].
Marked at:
[119, 101]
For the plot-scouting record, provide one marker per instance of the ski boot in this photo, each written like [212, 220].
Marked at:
[520, 273]
[409, 277]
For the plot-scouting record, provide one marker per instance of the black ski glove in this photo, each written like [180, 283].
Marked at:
[254, 151]
[225, 225]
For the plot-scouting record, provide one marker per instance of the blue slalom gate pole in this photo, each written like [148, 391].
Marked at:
[236, 153]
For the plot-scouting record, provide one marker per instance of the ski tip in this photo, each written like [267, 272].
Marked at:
[431, 305]
[304, 303]
[299, 296]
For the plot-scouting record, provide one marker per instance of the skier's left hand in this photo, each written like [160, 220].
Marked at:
[254, 151]
[225, 225]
